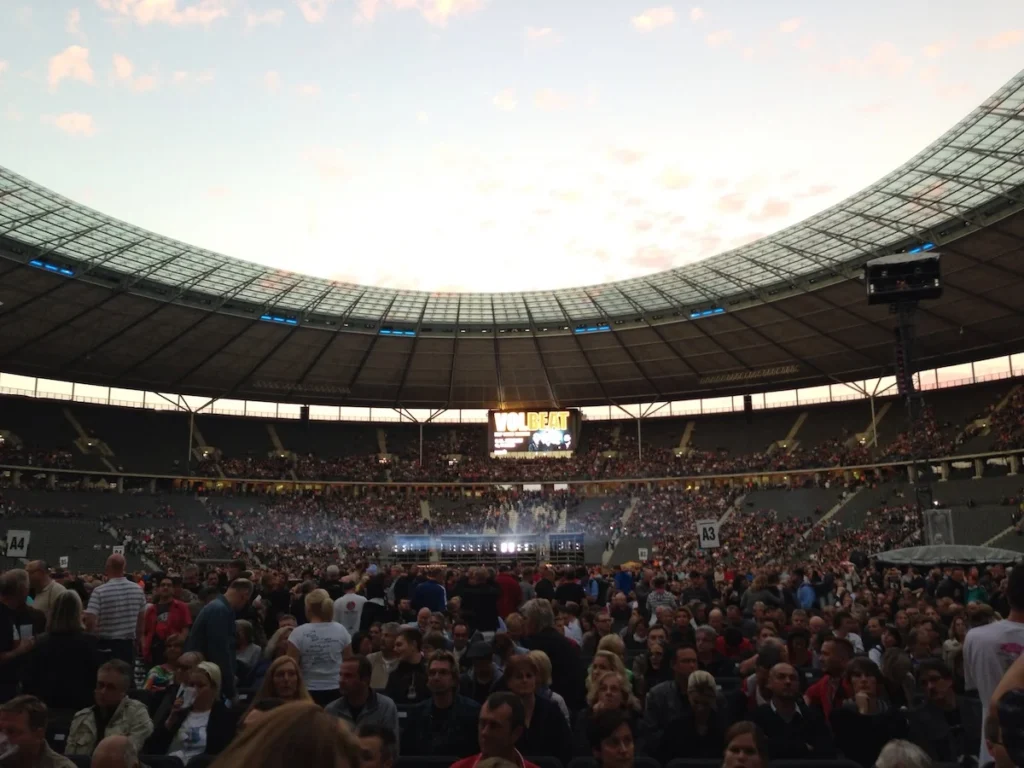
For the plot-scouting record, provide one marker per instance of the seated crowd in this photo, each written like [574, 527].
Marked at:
[725, 658]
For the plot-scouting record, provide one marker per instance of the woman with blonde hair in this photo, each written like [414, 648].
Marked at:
[61, 667]
[606, 661]
[283, 681]
[319, 647]
[200, 723]
[543, 662]
[609, 691]
[296, 734]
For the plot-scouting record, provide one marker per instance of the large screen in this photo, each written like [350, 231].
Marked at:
[532, 434]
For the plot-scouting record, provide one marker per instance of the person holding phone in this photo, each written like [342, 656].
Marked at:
[200, 723]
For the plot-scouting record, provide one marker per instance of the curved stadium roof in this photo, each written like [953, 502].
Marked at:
[95, 299]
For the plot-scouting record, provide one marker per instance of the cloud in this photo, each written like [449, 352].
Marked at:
[422, 118]
[72, 25]
[258, 19]
[13, 114]
[367, 10]
[938, 49]
[807, 43]
[697, 14]
[505, 100]
[542, 35]
[652, 257]
[309, 89]
[789, 26]
[721, 37]
[123, 68]
[672, 178]
[218, 192]
[437, 12]
[73, 63]
[3, 67]
[145, 12]
[885, 59]
[654, 18]
[550, 100]
[734, 202]
[314, 11]
[144, 83]
[625, 156]
[272, 81]
[73, 123]
[1007, 39]
[816, 190]
[328, 163]
[124, 73]
[772, 208]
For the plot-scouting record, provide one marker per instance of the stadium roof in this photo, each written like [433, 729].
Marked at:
[93, 299]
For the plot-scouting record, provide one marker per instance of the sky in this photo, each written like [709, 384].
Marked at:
[483, 145]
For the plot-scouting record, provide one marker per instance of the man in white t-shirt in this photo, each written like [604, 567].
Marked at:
[990, 650]
[348, 609]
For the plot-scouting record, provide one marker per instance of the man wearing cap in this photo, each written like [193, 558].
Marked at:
[482, 673]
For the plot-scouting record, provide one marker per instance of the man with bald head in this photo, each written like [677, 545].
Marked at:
[794, 730]
[116, 613]
[115, 752]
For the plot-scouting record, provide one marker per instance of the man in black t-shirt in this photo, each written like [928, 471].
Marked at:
[570, 591]
[19, 626]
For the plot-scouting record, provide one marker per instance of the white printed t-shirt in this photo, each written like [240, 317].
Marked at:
[320, 646]
[988, 652]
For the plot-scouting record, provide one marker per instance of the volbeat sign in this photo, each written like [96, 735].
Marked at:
[707, 534]
[118, 550]
[641, 554]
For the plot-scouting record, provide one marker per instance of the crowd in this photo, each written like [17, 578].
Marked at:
[606, 456]
[835, 658]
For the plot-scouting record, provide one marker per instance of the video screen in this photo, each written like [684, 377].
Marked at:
[532, 434]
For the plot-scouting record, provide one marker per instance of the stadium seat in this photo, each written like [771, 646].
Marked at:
[729, 683]
[163, 761]
[57, 728]
[141, 694]
[545, 762]
[420, 761]
[680, 763]
[638, 762]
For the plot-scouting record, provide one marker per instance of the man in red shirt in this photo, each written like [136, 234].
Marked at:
[511, 592]
[831, 691]
[501, 723]
[164, 617]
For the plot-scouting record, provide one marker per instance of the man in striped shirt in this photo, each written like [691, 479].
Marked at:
[116, 613]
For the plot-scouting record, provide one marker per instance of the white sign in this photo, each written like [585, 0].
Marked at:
[707, 534]
[17, 543]
[64, 561]
[641, 553]
[119, 550]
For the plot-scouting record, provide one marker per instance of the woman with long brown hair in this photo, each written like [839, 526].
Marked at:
[299, 733]
[283, 681]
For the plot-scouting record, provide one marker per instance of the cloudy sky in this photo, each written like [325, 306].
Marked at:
[483, 145]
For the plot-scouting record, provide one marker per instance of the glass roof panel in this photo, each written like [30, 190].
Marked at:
[975, 162]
